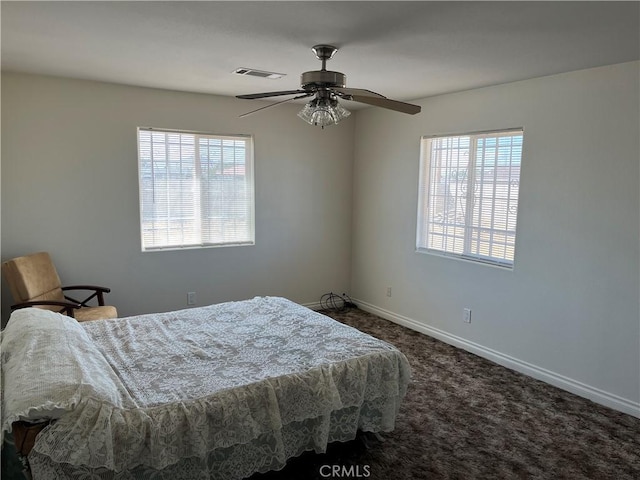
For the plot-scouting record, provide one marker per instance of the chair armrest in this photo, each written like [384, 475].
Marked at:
[97, 292]
[68, 307]
[87, 287]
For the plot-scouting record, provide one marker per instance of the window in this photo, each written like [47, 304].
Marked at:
[468, 203]
[196, 190]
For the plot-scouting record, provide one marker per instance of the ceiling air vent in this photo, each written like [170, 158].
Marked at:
[258, 73]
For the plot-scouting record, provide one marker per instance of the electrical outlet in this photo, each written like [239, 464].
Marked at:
[191, 298]
[388, 291]
[466, 316]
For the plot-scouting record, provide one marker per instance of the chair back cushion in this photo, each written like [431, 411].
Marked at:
[33, 277]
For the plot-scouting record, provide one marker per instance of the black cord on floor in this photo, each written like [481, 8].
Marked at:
[335, 302]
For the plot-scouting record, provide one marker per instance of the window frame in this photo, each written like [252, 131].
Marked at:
[426, 195]
[200, 212]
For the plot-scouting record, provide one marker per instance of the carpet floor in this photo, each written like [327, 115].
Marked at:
[465, 417]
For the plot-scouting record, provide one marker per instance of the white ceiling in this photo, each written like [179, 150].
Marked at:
[403, 50]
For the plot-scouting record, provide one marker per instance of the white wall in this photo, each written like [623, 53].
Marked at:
[568, 312]
[69, 186]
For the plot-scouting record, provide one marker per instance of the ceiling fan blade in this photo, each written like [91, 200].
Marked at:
[276, 103]
[253, 96]
[348, 92]
[387, 103]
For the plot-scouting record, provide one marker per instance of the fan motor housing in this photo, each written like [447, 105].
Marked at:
[322, 78]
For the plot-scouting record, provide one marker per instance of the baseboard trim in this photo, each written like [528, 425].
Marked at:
[595, 394]
[313, 305]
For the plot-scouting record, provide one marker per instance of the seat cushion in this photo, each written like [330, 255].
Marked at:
[85, 314]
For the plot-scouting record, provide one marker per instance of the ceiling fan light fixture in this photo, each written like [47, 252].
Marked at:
[340, 112]
[322, 112]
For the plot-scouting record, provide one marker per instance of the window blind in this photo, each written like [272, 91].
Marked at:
[469, 186]
[196, 190]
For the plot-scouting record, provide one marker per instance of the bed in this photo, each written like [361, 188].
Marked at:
[221, 391]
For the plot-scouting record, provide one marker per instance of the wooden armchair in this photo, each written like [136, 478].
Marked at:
[34, 282]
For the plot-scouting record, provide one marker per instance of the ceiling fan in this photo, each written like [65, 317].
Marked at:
[326, 87]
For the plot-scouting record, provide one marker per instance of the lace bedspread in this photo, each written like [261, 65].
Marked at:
[224, 390]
